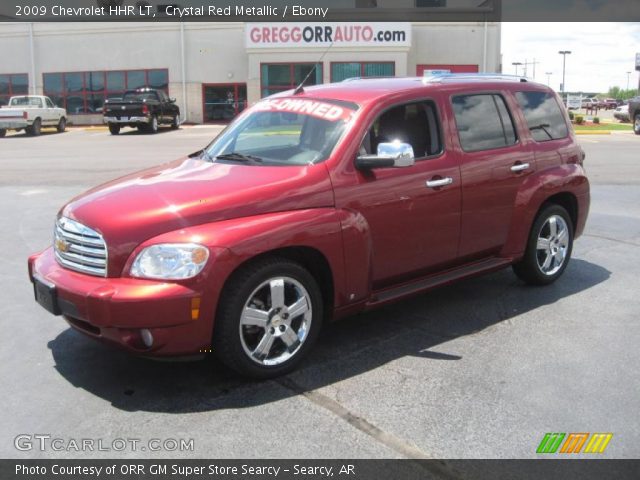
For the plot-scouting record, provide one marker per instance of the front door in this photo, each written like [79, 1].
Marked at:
[413, 213]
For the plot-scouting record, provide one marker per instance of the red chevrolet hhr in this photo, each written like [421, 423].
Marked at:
[313, 205]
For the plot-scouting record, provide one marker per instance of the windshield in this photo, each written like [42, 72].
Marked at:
[284, 131]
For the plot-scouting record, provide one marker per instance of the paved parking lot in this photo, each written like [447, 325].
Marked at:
[480, 369]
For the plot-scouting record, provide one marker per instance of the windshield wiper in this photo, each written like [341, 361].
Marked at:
[240, 157]
[543, 127]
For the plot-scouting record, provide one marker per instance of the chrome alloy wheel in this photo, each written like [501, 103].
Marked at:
[275, 321]
[552, 245]
[636, 124]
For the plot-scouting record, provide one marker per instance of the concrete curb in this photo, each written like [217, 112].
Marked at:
[595, 132]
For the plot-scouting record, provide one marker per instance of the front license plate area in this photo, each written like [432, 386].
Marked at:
[46, 296]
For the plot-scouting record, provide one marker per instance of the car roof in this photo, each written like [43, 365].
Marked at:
[366, 90]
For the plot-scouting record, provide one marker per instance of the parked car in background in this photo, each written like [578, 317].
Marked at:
[610, 103]
[144, 109]
[634, 113]
[316, 204]
[589, 103]
[30, 113]
[622, 113]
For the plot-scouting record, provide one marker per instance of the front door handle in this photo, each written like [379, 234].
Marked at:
[440, 182]
[520, 167]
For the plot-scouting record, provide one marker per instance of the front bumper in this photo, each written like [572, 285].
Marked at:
[13, 124]
[117, 309]
[126, 120]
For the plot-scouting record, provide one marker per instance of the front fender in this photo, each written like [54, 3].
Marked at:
[233, 242]
[534, 192]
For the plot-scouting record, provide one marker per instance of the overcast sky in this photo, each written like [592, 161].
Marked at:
[602, 53]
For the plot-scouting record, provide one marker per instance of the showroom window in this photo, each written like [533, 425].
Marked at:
[342, 70]
[277, 77]
[85, 92]
[13, 84]
[223, 102]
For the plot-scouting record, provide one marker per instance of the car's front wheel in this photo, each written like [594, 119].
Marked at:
[549, 247]
[636, 124]
[175, 122]
[269, 317]
[62, 125]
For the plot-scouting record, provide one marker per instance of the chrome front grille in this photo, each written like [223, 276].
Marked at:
[80, 248]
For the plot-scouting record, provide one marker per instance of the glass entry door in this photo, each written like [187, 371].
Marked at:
[222, 102]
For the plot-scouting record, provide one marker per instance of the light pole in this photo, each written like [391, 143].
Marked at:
[516, 64]
[548, 74]
[564, 54]
[628, 77]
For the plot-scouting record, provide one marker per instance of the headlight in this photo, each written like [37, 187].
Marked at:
[170, 261]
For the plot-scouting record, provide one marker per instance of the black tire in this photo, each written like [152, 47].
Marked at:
[114, 128]
[3, 132]
[229, 344]
[636, 124]
[529, 269]
[152, 127]
[175, 123]
[35, 129]
[62, 125]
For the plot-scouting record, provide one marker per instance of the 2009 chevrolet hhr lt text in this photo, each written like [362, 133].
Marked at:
[316, 204]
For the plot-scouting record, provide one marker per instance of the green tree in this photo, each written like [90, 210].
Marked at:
[619, 93]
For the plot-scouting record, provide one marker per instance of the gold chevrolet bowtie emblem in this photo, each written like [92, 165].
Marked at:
[62, 245]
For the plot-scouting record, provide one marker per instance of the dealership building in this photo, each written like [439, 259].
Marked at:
[214, 70]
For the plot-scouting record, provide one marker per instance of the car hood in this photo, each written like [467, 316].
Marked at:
[189, 192]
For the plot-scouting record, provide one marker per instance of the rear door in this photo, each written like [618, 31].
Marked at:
[494, 162]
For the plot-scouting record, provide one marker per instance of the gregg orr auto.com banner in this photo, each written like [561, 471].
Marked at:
[351, 34]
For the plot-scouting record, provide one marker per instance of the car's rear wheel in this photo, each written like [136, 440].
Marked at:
[269, 317]
[3, 132]
[549, 247]
[114, 128]
[62, 125]
[636, 124]
[35, 128]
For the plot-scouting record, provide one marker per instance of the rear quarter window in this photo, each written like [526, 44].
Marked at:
[543, 115]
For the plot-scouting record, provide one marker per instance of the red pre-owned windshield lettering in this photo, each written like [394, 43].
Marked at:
[326, 111]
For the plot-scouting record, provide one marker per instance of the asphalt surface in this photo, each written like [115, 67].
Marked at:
[480, 369]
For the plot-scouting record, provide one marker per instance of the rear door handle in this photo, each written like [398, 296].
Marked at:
[520, 167]
[441, 182]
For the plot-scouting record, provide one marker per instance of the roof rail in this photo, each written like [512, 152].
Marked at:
[377, 77]
[439, 77]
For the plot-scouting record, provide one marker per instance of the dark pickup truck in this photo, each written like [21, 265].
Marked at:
[144, 108]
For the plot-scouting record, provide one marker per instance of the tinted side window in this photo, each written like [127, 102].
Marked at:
[483, 122]
[544, 117]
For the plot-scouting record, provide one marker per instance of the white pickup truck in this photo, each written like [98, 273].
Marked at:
[30, 113]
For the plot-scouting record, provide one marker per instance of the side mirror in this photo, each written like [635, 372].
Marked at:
[394, 154]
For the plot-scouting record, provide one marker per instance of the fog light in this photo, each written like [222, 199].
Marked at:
[147, 338]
